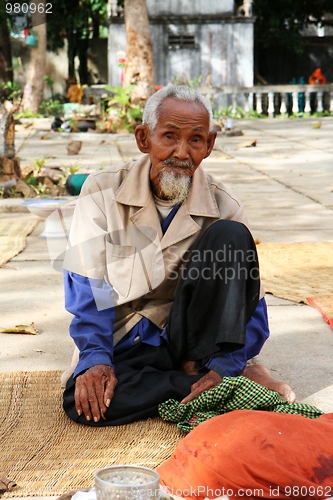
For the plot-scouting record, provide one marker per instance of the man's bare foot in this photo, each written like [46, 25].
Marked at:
[260, 374]
[190, 367]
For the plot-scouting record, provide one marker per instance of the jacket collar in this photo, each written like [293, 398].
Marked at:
[201, 201]
[136, 191]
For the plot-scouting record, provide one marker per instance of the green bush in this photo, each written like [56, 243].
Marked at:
[51, 107]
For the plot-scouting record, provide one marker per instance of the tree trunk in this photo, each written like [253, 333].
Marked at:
[83, 46]
[33, 90]
[6, 71]
[71, 50]
[139, 68]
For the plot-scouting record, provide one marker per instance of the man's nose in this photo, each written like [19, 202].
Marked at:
[182, 150]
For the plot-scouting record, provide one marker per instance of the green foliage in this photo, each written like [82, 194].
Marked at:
[68, 170]
[321, 114]
[31, 180]
[71, 169]
[122, 95]
[122, 113]
[39, 188]
[42, 190]
[38, 163]
[49, 81]
[185, 80]
[11, 90]
[253, 114]
[78, 18]
[228, 112]
[135, 113]
[282, 24]
[316, 114]
[27, 114]
[221, 114]
[12, 192]
[51, 107]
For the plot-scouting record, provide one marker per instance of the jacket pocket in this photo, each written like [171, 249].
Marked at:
[119, 264]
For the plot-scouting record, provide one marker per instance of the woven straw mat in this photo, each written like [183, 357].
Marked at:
[47, 454]
[301, 272]
[297, 271]
[13, 233]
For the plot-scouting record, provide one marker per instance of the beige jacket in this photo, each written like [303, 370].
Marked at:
[116, 235]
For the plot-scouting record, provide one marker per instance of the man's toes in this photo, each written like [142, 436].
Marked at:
[261, 375]
[286, 392]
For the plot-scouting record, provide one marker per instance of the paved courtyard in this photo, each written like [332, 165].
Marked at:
[286, 184]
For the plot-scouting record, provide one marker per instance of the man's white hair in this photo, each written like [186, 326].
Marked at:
[178, 92]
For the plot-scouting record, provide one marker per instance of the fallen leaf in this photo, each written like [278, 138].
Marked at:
[233, 133]
[27, 171]
[29, 329]
[317, 125]
[25, 189]
[74, 147]
[248, 144]
[45, 137]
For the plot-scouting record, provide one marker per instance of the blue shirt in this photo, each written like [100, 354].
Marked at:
[91, 328]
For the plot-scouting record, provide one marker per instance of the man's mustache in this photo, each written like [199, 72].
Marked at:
[178, 163]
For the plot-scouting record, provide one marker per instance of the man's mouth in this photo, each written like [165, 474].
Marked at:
[171, 162]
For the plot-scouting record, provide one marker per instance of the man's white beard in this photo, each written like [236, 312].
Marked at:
[175, 187]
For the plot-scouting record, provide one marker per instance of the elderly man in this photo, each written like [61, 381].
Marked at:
[161, 275]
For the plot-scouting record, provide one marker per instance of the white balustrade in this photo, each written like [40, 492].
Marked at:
[258, 102]
[284, 102]
[307, 107]
[271, 107]
[274, 100]
[320, 107]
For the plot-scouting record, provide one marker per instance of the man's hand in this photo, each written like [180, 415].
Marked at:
[94, 390]
[208, 381]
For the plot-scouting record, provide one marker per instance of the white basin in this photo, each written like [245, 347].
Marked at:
[57, 214]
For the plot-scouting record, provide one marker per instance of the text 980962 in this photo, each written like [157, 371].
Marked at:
[27, 8]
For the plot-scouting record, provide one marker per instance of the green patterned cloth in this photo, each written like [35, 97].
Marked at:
[233, 393]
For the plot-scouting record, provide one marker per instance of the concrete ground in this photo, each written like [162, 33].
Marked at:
[286, 184]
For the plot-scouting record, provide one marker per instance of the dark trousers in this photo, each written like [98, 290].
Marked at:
[217, 294]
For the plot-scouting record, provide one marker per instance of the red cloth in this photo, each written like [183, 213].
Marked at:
[254, 454]
[317, 78]
[324, 306]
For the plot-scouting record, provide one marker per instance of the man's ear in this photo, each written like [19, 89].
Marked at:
[142, 138]
[210, 142]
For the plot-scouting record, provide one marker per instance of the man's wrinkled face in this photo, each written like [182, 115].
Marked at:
[179, 143]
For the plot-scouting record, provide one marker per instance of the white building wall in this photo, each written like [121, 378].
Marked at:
[186, 7]
[116, 44]
[223, 51]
